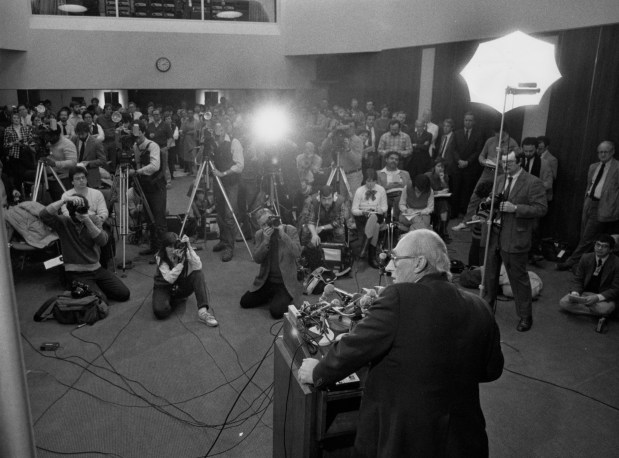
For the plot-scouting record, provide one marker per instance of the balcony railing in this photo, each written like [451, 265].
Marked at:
[201, 10]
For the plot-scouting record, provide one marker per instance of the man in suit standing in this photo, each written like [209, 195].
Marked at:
[447, 147]
[469, 142]
[600, 213]
[524, 200]
[90, 153]
[420, 160]
[595, 286]
[444, 342]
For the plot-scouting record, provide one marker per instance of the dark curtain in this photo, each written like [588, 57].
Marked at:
[583, 112]
[450, 94]
[389, 77]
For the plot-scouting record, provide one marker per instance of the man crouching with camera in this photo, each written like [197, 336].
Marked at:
[81, 238]
[179, 274]
[276, 249]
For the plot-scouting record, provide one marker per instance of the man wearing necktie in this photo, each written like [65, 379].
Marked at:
[469, 143]
[524, 200]
[595, 285]
[90, 153]
[600, 213]
[63, 118]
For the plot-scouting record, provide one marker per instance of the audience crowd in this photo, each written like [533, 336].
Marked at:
[347, 170]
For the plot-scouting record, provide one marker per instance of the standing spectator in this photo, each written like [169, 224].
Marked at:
[90, 153]
[524, 200]
[432, 129]
[394, 181]
[395, 141]
[488, 158]
[382, 122]
[161, 133]
[469, 143]
[19, 158]
[229, 163]
[420, 160]
[63, 122]
[152, 180]
[76, 114]
[189, 135]
[600, 212]
[24, 115]
[95, 129]
[172, 148]
[109, 131]
[62, 157]
[439, 181]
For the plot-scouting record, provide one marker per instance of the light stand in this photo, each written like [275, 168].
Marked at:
[523, 88]
[385, 255]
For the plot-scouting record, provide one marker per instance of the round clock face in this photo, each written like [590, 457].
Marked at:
[163, 64]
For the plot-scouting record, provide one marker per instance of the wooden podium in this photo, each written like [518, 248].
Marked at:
[309, 423]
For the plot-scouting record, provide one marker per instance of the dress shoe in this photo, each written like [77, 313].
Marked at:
[525, 324]
[219, 247]
[563, 266]
[148, 251]
[227, 255]
[372, 257]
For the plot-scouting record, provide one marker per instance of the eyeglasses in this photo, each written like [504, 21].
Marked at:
[602, 245]
[79, 178]
[395, 258]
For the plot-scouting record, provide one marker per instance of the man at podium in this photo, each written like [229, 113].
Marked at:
[428, 345]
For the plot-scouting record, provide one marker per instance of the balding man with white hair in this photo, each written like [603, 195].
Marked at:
[429, 345]
[600, 212]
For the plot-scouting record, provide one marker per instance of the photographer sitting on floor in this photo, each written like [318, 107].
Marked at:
[81, 239]
[276, 250]
[179, 274]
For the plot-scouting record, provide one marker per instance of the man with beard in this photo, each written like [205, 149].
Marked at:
[425, 334]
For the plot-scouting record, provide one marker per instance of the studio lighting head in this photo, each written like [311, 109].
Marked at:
[271, 124]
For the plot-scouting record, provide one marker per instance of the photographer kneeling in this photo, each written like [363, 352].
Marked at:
[276, 250]
[81, 238]
[179, 274]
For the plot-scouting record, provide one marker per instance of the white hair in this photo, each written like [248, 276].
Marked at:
[426, 243]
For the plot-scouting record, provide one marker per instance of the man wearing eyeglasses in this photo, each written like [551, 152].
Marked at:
[595, 286]
[424, 334]
[523, 201]
[600, 213]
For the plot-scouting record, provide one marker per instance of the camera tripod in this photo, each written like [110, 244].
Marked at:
[123, 188]
[384, 256]
[204, 169]
[40, 176]
[337, 174]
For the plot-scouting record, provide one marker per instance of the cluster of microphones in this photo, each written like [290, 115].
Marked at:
[339, 302]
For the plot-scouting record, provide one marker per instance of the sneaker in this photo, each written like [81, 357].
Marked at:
[460, 227]
[207, 318]
[227, 255]
[221, 246]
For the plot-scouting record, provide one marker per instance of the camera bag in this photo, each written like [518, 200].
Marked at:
[67, 309]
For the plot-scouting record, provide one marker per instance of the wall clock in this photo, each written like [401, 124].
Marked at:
[163, 64]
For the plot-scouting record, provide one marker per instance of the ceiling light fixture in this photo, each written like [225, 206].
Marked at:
[70, 8]
[229, 14]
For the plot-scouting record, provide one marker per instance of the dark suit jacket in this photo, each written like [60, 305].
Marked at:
[608, 208]
[94, 155]
[429, 345]
[422, 143]
[451, 161]
[468, 150]
[609, 277]
[289, 252]
[529, 195]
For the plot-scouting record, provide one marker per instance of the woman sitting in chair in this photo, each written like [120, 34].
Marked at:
[368, 207]
[416, 205]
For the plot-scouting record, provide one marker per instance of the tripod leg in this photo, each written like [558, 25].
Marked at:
[196, 183]
[223, 192]
[345, 180]
[331, 176]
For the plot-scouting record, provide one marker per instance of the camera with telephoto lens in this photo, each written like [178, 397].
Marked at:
[178, 245]
[485, 205]
[75, 208]
[274, 221]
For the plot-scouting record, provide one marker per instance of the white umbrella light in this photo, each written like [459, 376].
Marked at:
[516, 61]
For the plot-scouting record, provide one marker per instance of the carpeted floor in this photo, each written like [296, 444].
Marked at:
[131, 386]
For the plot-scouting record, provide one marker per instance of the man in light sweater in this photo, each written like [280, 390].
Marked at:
[81, 239]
